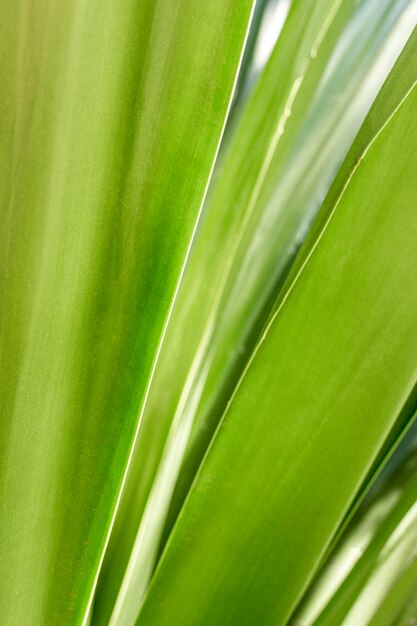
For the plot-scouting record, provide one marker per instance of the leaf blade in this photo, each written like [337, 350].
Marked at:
[110, 132]
[320, 383]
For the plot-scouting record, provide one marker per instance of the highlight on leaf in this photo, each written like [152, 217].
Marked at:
[208, 349]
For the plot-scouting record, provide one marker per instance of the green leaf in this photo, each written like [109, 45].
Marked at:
[300, 166]
[256, 215]
[408, 614]
[315, 405]
[385, 575]
[386, 495]
[110, 119]
[399, 603]
[383, 477]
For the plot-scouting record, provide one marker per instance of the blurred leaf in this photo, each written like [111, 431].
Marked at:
[400, 601]
[385, 496]
[111, 116]
[315, 405]
[385, 575]
[316, 88]
[328, 110]
[408, 613]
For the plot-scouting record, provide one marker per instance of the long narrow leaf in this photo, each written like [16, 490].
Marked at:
[385, 575]
[314, 406]
[110, 118]
[270, 186]
[354, 545]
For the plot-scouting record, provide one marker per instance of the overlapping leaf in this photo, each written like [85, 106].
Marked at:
[316, 88]
[343, 579]
[110, 118]
[384, 578]
[319, 398]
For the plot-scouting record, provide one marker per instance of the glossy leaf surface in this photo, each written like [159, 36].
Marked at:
[357, 557]
[252, 225]
[385, 576]
[321, 394]
[110, 118]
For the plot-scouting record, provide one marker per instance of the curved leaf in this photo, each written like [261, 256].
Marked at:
[314, 407]
[386, 574]
[111, 116]
[325, 597]
[212, 326]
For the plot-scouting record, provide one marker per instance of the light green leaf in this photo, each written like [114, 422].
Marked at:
[110, 118]
[408, 614]
[385, 575]
[316, 88]
[316, 403]
[363, 38]
[372, 503]
[400, 601]
[384, 497]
